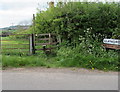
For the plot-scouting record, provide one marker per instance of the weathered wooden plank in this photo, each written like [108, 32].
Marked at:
[15, 48]
[16, 40]
[44, 34]
[14, 52]
[42, 44]
[111, 46]
[45, 49]
[7, 40]
[45, 43]
[42, 39]
[14, 34]
[14, 44]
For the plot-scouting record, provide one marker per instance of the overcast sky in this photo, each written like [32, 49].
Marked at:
[13, 12]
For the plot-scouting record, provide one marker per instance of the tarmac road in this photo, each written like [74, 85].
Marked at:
[58, 79]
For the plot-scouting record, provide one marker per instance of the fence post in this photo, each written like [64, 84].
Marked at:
[31, 44]
[59, 39]
[49, 38]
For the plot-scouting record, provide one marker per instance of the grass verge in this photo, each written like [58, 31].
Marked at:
[65, 57]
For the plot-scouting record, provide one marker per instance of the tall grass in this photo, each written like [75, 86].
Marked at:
[77, 58]
[66, 57]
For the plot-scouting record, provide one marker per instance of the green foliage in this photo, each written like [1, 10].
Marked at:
[18, 61]
[71, 19]
[88, 54]
[82, 26]
[67, 57]
[99, 59]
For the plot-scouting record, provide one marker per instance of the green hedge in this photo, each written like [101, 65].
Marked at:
[75, 18]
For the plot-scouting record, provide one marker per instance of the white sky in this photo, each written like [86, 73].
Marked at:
[17, 11]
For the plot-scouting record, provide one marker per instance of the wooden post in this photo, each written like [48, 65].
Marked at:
[33, 24]
[49, 38]
[59, 39]
[31, 44]
[32, 37]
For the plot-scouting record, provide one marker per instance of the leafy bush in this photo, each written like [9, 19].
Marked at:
[71, 19]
